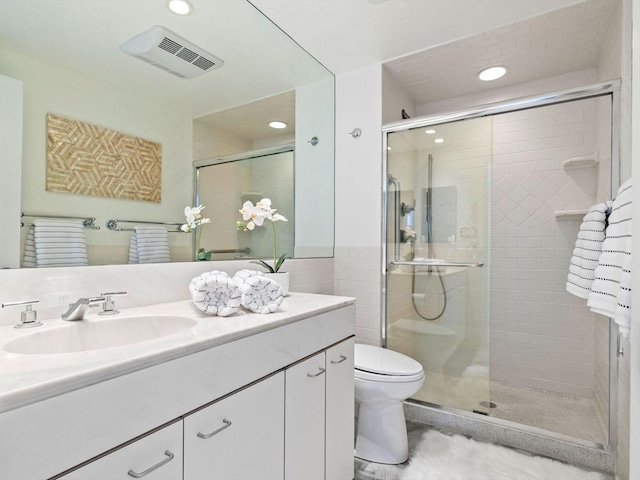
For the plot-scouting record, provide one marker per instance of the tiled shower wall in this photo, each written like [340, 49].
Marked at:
[519, 347]
[541, 336]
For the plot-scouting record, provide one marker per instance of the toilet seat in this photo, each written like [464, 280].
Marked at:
[381, 362]
[378, 377]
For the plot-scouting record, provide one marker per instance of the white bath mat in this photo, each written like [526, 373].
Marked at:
[454, 457]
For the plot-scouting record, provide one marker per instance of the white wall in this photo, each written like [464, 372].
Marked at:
[394, 99]
[10, 170]
[49, 89]
[359, 196]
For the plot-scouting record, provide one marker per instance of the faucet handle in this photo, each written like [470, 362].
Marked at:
[109, 305]
[28, 317]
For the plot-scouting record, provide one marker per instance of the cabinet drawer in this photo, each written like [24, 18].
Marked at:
[155, 457]
[240, 437]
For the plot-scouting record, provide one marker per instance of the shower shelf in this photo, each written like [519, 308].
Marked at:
[589, 161]
[570, 214]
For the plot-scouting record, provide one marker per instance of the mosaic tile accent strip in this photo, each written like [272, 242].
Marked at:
[85, 159]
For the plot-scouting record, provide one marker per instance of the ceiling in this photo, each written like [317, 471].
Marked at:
[84, 36]
[250, 121]
[559, 42]
[452, 38]
[346, 35]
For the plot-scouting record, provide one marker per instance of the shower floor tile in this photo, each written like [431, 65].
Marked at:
[555, 412]
[565, 414]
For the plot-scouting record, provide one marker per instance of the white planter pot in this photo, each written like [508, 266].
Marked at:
[281, 278]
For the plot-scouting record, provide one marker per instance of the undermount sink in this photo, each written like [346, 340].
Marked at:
[85, 335]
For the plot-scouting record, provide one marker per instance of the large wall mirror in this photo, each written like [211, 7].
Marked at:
[67, 56]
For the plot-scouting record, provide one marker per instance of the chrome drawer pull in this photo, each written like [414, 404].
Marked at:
[227, 424]
[342, 359]
[155, 467]
[313, 375]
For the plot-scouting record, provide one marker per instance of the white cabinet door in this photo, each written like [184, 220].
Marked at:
[155, 457]
[304, 419]
[240, 437]
[339, 412]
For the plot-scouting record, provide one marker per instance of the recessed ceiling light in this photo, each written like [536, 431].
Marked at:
[388, 148]
[277, 124]
[492, 73]
[430, 131]
[438, 140]
[180, 7]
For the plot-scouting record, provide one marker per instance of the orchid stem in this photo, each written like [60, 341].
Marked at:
[275, 239]
[199, 227]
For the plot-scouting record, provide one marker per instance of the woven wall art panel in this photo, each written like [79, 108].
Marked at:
[89, 160]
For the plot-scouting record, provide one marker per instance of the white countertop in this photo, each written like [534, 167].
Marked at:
[28, 378]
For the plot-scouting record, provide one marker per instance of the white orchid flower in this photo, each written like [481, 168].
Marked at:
[194, 220]
[252, 212]
[265, 204]
[194, 217]
[255, 215]
[276, 217]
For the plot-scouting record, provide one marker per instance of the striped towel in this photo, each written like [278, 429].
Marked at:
[29, 260]
[611, 290]
[149, 245]
[56, 243]
[588, 249]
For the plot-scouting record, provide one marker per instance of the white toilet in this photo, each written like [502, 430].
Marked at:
[383, 380]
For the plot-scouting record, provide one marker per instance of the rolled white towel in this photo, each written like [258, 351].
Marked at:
[259, 293]
[215, 293]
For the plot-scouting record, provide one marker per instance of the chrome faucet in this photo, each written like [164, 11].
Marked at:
[77, 310]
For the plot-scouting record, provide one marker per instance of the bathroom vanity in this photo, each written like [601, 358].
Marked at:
[246, 396]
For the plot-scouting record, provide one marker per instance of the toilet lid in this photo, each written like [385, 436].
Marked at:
[383, 361]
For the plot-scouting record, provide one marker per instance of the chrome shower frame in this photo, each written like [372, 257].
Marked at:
[612, 88]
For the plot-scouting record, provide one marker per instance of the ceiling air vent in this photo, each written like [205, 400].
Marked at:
[170, 52]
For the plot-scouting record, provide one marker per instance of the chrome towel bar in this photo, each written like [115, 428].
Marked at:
[439, 264]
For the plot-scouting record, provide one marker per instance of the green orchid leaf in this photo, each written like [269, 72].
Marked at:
[264, 264]
[279, 262]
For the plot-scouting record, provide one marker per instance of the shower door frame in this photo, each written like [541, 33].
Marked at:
[611, 87]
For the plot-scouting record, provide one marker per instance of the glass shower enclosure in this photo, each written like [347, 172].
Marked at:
[482, 210]
[438, 273]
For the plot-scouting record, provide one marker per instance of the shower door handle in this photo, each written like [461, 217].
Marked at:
[440, 264]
